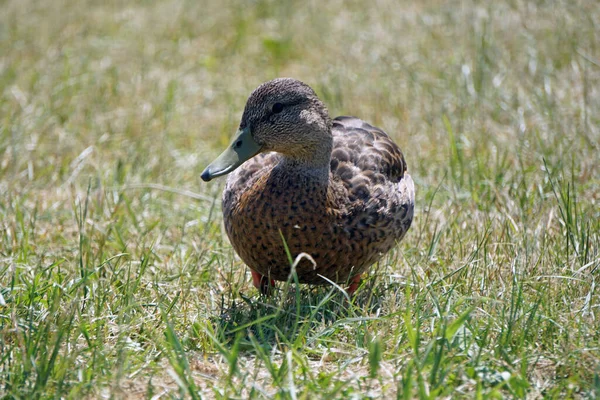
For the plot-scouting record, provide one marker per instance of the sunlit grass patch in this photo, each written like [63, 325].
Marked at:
[117, 280]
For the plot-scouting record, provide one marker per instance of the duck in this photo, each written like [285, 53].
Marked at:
[307, 194]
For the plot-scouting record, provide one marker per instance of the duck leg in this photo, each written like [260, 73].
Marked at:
[262, 283]
[354, 283]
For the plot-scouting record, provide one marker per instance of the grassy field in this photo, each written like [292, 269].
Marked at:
[117, 279]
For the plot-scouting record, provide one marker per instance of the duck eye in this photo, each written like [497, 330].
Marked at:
[277, 108]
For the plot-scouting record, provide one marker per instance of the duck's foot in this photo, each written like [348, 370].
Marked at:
[354, 284]
[262, 283]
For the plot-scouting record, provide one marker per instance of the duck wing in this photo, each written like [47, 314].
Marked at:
[364, 151]
[371, 168]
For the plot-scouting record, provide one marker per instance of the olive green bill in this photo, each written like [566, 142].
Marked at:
[243, 147]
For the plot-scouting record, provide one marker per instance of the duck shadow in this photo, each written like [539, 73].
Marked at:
[293, 315]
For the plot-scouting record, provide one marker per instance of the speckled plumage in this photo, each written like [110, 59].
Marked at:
[346, 208]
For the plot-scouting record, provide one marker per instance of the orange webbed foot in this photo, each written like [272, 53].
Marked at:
[354, 284]
[262, 283]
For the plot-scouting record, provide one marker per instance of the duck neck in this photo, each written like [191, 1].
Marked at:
[313, 162]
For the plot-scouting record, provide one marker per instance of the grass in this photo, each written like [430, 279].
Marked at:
[117, 280]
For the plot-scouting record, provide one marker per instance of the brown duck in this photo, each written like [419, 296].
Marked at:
[336, 192]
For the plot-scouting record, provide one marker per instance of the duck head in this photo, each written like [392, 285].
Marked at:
[282, 115]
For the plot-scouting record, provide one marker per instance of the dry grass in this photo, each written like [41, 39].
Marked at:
[115, 281]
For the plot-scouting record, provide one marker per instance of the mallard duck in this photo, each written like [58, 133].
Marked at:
[334, 194]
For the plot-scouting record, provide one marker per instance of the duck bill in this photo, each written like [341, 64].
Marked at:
[243, 147]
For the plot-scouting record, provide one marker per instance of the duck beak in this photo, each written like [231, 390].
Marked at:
[243, 147]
